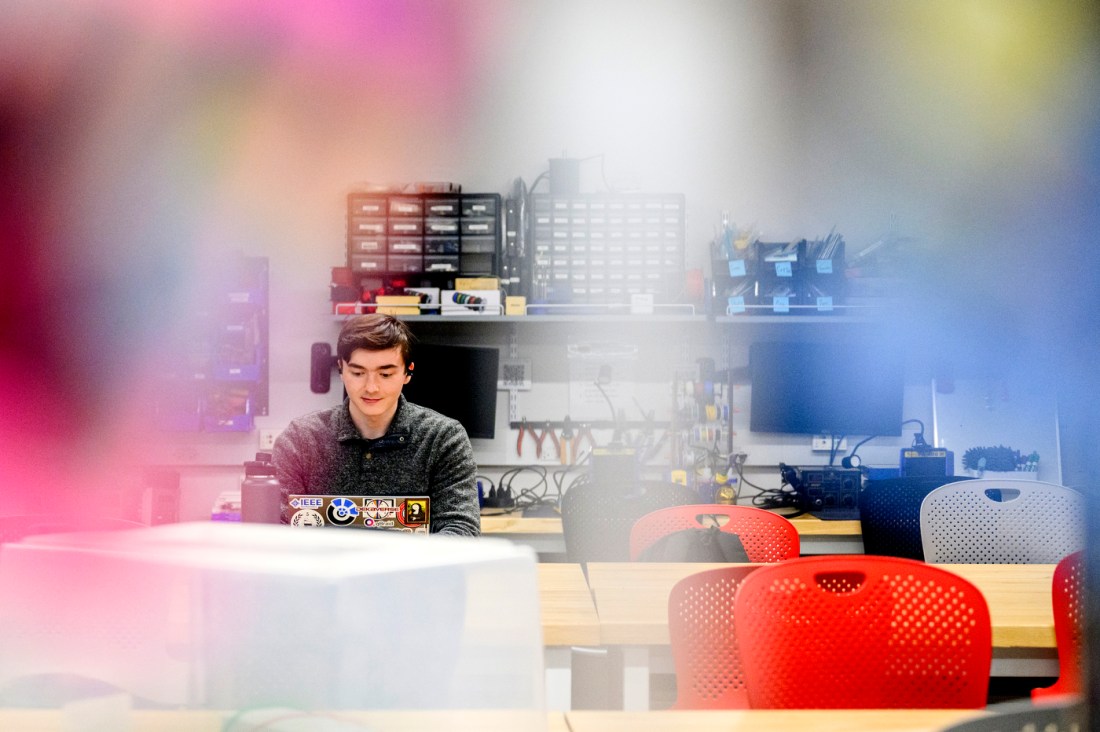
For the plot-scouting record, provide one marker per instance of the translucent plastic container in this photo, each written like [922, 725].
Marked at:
[251, 616]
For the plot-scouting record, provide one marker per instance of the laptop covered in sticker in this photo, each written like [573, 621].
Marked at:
[411, 514]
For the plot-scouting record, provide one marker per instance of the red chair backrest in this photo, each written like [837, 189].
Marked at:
[855, 632]
[766, 536]
[1068, 597]
[704, 646]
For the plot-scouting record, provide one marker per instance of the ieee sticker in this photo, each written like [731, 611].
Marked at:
[307, 517]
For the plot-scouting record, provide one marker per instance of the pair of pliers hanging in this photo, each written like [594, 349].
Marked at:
[525, 430]
[584, 434]
[566, 453]
[572, 441]
[538, 437]
[548, 431]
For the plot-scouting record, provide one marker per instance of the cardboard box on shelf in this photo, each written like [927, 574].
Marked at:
[398, 304]
[515, 305]
[477, 283]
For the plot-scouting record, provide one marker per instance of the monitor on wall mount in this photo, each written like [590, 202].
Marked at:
[459, 382]
[825, 388]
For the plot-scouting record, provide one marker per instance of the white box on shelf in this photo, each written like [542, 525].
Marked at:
[470, 302]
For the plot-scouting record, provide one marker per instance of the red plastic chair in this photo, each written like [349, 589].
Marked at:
[862, 632]
[704, 646]
[766, 536]
[1068, 594]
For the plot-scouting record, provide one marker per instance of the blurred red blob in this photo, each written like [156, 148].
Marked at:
[112, 144]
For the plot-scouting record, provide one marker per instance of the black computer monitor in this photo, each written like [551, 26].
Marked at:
[458, 381]
[834, 388]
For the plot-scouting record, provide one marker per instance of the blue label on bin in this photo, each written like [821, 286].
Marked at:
[781, 304]
[737, 268]
[783, 269]
[735, 305]
[824, 266]
[825, 303]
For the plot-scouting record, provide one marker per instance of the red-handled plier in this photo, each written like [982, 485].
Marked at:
[538, 437]
[548, 431]
[524, 430]
[584, 434]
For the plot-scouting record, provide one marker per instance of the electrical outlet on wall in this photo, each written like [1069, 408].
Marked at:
[267, 438]
[824, 443]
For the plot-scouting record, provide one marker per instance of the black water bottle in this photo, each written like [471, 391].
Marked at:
[261, 499]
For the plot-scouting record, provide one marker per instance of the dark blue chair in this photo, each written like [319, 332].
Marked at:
[889, 514]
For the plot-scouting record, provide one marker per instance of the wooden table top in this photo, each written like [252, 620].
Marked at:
[632, 600]
[508, 523]
[847, 720]
[568, 612]
[1020, 598]
[818, 720]
[516, 523]
[808, 525]
[187, 720]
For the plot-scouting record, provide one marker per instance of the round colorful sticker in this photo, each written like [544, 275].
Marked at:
[342, 511]
[307, 517]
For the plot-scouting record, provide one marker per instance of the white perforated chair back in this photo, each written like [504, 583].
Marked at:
[1001, 522]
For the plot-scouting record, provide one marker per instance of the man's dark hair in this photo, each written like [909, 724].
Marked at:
[374, 332]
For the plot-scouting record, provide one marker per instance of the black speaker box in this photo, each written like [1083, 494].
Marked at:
[828, 492]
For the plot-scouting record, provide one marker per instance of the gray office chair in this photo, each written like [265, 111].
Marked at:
[1065, 717]
[596, 519]
[1001, 522]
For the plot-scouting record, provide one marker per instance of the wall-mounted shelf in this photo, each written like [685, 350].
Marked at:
[749, 320]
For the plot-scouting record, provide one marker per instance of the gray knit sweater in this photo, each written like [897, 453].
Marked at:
[422, 453]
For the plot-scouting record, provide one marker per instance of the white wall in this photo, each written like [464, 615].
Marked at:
[793, 117]
[959, 126]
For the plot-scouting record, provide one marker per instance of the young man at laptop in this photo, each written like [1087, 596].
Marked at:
[376, 442]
